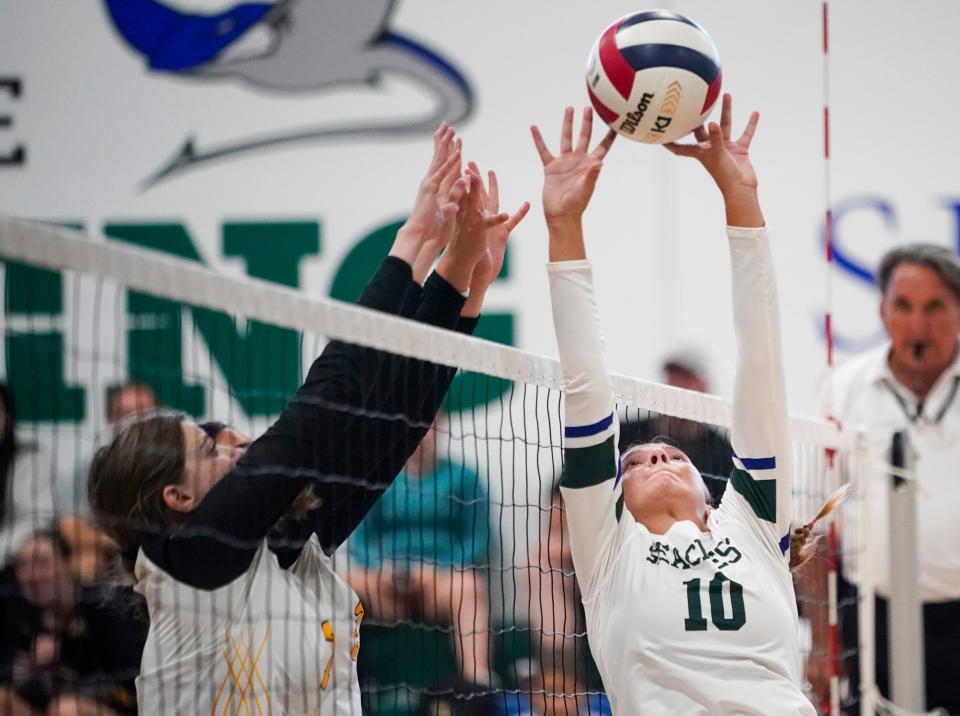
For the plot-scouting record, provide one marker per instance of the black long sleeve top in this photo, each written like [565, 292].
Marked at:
[346, 433]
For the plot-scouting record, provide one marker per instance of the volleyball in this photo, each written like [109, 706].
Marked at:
[653, 76]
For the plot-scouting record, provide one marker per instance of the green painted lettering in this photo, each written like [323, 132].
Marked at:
[35, 369]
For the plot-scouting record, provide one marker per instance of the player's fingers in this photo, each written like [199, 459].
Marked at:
[682, 150]
[438, 135]
[484, 196]
[452, 170]
[457, 191]
[446, 141]
[566, 132]
[441, 148]
[545, 156]
[446, 170]
[586, 130]
[472, 183]
[716, 139]
[700, 134]
[601, 151]
[448, 211]
[493, 191]
[495, 220]
[749, 130]
[726, 115]
[518, 216]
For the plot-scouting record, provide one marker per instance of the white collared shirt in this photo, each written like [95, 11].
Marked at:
[868, 396]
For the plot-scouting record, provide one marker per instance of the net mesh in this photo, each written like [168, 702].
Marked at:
[462, 567]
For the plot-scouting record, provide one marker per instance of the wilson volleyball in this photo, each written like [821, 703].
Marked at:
[654, 76]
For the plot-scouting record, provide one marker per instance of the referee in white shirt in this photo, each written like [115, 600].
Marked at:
[911, 384]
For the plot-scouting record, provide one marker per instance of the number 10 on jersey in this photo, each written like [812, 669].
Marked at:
[695, 620]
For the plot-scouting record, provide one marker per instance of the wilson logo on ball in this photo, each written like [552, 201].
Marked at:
[649, 55]
[671, 103]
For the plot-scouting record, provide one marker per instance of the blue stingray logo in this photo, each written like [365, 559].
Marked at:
[291, 46]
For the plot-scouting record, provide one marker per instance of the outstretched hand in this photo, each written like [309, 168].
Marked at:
[432, 208]
[441, 191]
[490, 264]
[728, 162]
[570, 177]
[468, 246]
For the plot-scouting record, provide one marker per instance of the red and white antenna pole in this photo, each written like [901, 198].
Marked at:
[828, 201]
[833, 647]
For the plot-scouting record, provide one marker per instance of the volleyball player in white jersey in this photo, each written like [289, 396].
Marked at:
[231, 543]
[690, 609]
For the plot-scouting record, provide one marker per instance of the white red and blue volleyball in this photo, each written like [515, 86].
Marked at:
[654, 76]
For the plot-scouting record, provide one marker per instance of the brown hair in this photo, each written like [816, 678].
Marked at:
[800, 551]
[127, 478]
[939, 259]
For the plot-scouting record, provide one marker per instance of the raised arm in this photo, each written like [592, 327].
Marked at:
[761, 474]
[760, 439]
[589, 480]
[475, 249]
[356, 419]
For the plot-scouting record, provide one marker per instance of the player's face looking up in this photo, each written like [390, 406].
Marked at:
[922, 317]
[206, 462]
[662, 486]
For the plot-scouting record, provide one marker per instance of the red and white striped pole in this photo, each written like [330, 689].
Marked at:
[832, 599]
[828, 201]
[833, 647]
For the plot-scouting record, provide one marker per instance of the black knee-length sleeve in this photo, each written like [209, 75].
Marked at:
[347, 432]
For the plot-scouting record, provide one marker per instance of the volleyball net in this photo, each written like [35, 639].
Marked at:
[463, 567]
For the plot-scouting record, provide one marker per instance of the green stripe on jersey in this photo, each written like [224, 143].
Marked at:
[760, 494]
[588, 466]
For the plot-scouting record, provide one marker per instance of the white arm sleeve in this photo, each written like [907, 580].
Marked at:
[591, 492]
[760, 480]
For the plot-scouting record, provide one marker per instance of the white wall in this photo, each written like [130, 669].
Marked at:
[96, 123]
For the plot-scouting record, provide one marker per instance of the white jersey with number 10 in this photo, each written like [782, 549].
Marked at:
[687, 622]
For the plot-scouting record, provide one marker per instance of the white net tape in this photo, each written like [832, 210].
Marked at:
[43, 245]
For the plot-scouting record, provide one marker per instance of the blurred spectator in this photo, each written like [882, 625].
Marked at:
[125, 399]
[122, 401]
[566, 683]
[707, 449]
[910, 383]
[420, 552]
[63, 650]
[26, 484]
